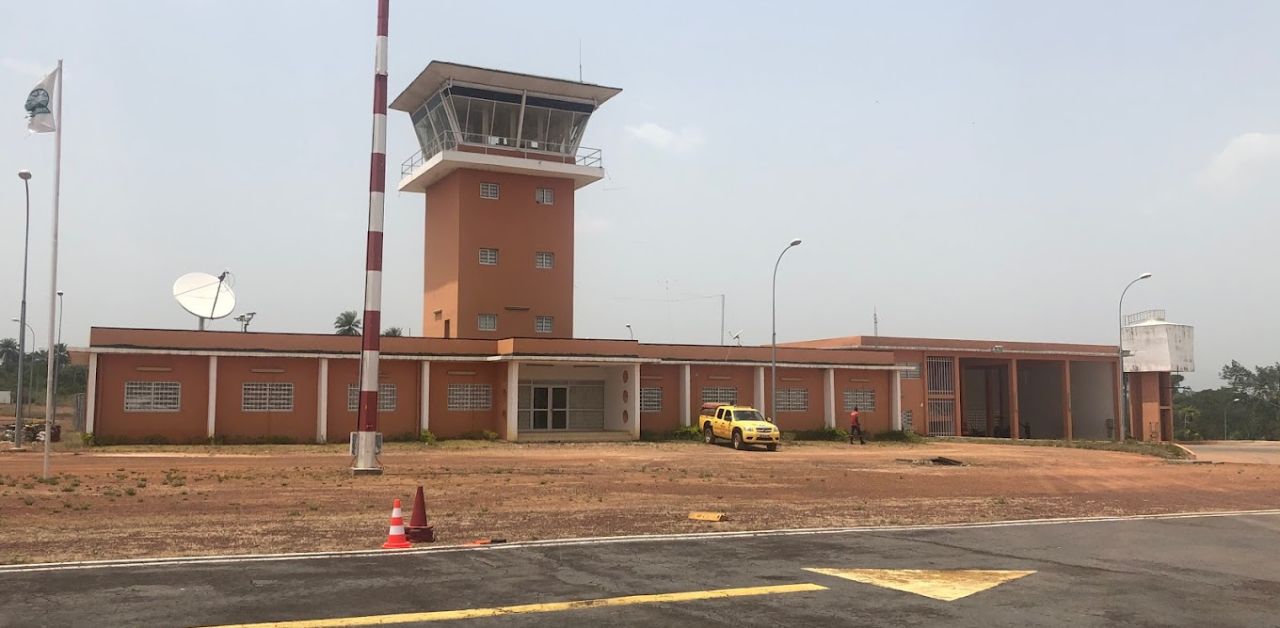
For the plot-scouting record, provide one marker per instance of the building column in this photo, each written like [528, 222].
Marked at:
[211, 415]
[424, 397]
[1066, 399]
[895, 403]
[513, 401]
[829, 399]
[758, 401]
[955, 384]
[1015, 422]
[1116, 399]
[91, 395]
[322, 402]
[686, 402]
[633, 408]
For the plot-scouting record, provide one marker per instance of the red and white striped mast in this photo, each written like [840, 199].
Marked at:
[364, 441]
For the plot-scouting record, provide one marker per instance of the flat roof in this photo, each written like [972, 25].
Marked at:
[953, 344]
[437, 73]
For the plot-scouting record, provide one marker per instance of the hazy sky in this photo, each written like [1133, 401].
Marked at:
[972, 170]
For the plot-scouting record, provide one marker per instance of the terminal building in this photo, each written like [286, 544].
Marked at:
[500, 161]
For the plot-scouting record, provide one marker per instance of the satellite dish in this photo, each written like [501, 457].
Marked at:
[206, 296]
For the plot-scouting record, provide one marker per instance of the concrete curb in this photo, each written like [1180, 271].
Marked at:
[644, 538]
[1191, 455]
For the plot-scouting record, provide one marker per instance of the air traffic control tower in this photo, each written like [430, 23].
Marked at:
[499, 163]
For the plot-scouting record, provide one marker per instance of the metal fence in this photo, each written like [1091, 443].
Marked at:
[494, 144]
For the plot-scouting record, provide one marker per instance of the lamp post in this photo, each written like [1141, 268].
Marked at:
[23, 328]
[25, 175]
[773, 365]
[1123, 382]
[631, 334]
[57, 372]
[1226, 406]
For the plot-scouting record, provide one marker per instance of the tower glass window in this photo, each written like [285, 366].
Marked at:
[487, 322]
[489, 257]
[489, 191]
[545, 196]
[542, 324]
[545, 259]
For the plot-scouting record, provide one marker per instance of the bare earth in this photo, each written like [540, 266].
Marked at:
[133, 502]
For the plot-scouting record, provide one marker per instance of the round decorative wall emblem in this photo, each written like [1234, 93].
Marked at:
[626, 416]
[626, 375]
[626, 395]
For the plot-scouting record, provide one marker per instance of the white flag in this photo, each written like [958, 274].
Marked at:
[40, 106]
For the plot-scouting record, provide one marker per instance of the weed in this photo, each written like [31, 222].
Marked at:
[130, 492]
[28, 500]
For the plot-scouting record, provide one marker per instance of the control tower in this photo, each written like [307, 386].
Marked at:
[499, 163]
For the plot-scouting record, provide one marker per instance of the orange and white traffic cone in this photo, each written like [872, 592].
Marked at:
[395, 537]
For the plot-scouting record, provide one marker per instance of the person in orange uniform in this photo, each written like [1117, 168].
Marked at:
[855, 426]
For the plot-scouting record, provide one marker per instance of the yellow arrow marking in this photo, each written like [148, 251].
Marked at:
[947, 585]
[473, 613]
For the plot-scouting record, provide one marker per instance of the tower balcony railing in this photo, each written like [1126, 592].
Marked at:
[508, 146]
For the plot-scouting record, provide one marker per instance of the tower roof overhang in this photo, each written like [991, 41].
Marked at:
[438, 73]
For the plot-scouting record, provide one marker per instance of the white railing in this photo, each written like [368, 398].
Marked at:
[487, 144]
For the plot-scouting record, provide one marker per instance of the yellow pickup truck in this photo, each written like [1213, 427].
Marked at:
[742, 425]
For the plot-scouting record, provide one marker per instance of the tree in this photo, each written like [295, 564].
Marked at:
[8, 352]
[1262, 383]
[347, 324]
[393, 332]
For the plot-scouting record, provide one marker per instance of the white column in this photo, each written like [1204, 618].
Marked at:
[513, 400]
[322, 402]
[895, 402]
[634, 394]
[758, 402]
[424, 401]
[829, 399]
[212, 412]
[91, 395]
[686, 403]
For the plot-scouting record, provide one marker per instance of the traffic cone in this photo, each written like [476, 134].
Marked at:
[395, 537]
[419, 531]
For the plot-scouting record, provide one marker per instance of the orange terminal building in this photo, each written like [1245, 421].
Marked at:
[500, 160]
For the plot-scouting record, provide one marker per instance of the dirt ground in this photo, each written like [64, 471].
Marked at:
[167, 501]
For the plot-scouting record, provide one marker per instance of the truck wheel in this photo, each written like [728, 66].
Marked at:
[772, 447]
[708, 436]
[737, 440]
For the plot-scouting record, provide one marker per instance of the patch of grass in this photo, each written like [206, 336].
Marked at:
[1158, 450]
[896, 436]
[825, 434]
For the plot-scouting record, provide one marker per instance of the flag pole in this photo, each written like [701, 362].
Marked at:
[50, 404]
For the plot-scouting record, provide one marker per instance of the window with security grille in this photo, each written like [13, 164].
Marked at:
[913, 372]
[907, 416]
[720, 394]
[487, 322]
[470, 396]
[542, 324]
[651, 399]
[545, 196]
[386, 398]
[544, 259]
[152, 396]
[266, 397]
[793, 399]
[489, 190]
[488, 257]
[864, 399]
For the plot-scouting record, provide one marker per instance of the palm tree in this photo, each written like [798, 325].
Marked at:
[8, 351]
[347, 323]
[394, 332]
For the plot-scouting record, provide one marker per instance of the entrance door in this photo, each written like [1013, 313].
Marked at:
[550, 408]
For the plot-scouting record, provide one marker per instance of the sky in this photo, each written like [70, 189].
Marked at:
[994, 170]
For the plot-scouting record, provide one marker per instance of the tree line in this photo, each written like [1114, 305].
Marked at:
[72, 378]
[1247, 408]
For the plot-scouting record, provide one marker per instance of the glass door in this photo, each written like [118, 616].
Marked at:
[550, 409]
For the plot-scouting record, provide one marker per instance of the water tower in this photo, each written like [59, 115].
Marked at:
[1154, 350]
[499, 163]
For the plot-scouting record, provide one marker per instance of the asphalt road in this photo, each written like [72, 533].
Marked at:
[1192, 571]
[1238, 451]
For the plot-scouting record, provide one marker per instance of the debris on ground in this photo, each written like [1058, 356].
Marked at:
[941, 461]
[708, 516]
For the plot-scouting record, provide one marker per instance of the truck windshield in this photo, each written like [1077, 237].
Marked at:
[747, 415]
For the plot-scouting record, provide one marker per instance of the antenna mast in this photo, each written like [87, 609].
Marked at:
[875, 321]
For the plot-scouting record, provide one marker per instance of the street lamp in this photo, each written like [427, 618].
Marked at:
[1123, 381]
[57, 372]
[25, 175]
[773, 366]
[630, 332]
[23, 328]
[1225, 406]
